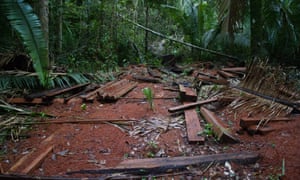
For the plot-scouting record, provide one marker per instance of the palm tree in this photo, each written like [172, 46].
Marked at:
[22, 18]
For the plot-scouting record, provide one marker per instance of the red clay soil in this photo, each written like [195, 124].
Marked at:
[103, 145]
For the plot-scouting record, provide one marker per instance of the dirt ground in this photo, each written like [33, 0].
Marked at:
[83, 146]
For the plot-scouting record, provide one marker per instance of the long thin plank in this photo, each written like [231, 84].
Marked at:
[190, 105]
[61, 91]
[193, 126]
[221, 131]
[171, 164]
[23, 161]
[37, 161]
[235, 69]
[227, 74]
[245, 122]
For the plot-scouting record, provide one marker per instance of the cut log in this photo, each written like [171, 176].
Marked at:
[193, 126]
[221, 131]
[146, 79]
[246, 122]
[187, 94]
[171, 164]
[190, 105]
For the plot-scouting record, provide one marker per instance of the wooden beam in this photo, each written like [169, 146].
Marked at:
[55, 92]
[26, 163]
[245, 122]
[190, 105]
[221, 131]
[171, 164]
[187, 93]
[37, 160]
[193, 126]
[235, 69]
[146, 79]
[227, 74]
[216, 81]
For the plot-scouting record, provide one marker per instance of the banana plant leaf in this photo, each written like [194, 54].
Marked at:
[27, 24]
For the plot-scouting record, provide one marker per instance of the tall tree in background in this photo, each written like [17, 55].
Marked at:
[256, 27]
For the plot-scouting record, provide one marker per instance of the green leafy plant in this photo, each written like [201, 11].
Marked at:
[149, 96]
[207, 130]
[27, 24]
[83, 106]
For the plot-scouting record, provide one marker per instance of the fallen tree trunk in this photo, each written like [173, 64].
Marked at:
[181, 42]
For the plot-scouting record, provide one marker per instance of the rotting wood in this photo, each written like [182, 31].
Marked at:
[124, 90]
[227, 74]
[221, 131]
[92, 95]
[171, 164]
[116, 90]
[89, 121]
[253, 129]
[210, 80]
[19, 100]
[235, 69]
[187, 93]
[190, 105]
[54, 92]
[18, 167]
[37, 161]
[208, 75]
[86, 90]
[246, 122]
[146, 79]
[193, 126]
[154, 73]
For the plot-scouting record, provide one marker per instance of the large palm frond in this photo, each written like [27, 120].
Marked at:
[27, 24]
[282, 27]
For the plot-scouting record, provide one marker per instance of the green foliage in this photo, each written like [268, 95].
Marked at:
[148, 93]
[282, 28]
[27, 24]
[208, 131]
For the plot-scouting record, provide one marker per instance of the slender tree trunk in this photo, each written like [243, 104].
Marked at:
[146, 32]
[256, 26]
[60, 24]
[42, 9]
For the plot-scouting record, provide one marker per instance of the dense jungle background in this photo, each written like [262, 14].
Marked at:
[98, 35]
